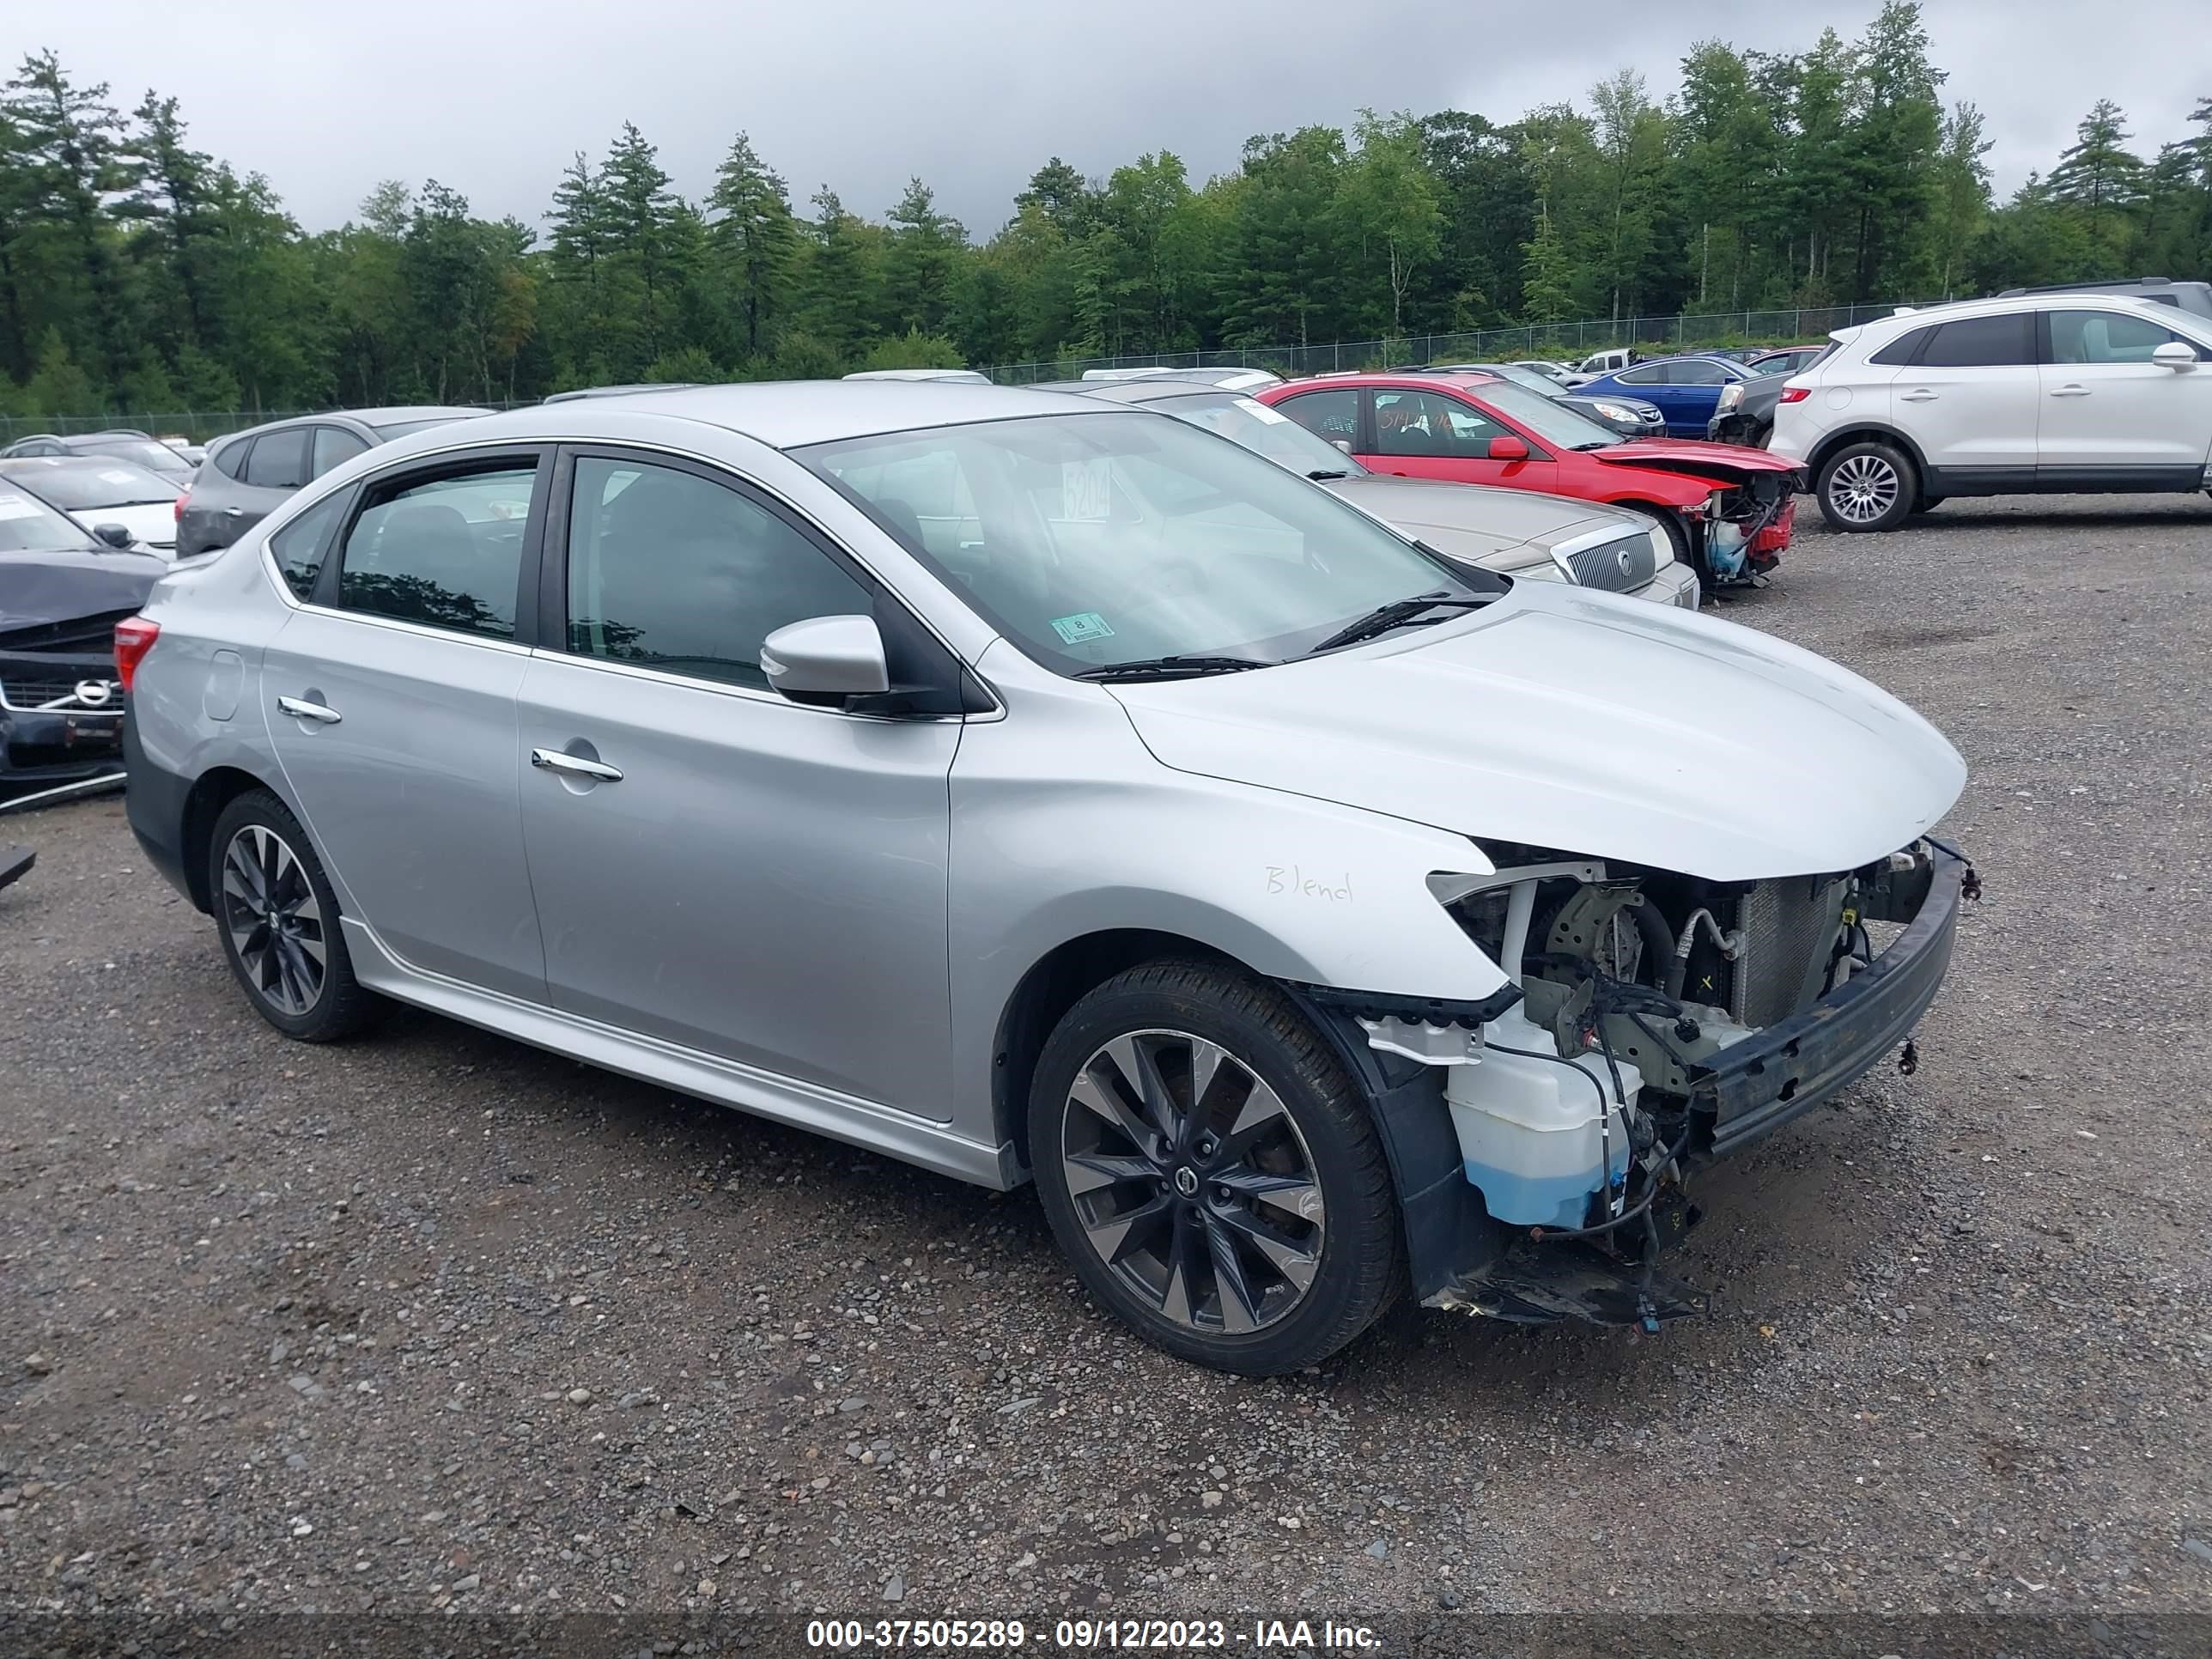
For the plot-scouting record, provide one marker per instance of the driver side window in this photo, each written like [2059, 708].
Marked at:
[670, 569]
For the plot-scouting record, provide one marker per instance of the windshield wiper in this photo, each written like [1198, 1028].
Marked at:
[1397, 614]
[1325, 475]
[1171, 668]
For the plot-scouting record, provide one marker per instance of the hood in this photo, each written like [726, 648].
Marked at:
[151, 523]
[38, 590]
[1694, 456]
[1475, 521]
[1589, 722]
[1586, 400]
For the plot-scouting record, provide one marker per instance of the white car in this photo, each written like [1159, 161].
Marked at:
[116, 501]
[1611, 360]
[2092, 392]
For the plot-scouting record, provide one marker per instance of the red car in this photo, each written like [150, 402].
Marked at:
[1728, 509]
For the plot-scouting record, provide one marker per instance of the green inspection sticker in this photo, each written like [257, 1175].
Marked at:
[1086, 625]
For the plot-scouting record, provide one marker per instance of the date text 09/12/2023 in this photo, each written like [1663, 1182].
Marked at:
[1093, 1635]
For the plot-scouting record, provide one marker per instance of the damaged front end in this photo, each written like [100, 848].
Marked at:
[1663, 1022]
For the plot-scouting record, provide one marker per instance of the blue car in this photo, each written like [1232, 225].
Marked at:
[1687, 390]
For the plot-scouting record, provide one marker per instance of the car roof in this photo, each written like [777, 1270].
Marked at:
[1409, 380]
[1906, 316]
[789, 414]
[1143, 391]
[31, 464]
[388, 415]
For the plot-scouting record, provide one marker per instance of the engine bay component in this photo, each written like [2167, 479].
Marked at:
[1663, 1020]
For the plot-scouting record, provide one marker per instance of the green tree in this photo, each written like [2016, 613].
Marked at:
[755, 240]
[80, 157]
[1388, 207]
[920, 261]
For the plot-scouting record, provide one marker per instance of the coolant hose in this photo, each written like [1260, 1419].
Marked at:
[1658, 941]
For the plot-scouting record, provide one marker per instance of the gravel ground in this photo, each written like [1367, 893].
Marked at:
[433, 1321]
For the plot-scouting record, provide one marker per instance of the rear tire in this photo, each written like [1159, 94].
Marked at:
[1258, 1233]
[1866, 487]
[278, 921]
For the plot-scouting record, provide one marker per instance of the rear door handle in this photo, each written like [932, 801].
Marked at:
[321, 713]
[234, 512]
[1923, 395]
[576, 766]
[2070, 392]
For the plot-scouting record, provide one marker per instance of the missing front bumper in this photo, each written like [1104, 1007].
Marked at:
[1757, 1086]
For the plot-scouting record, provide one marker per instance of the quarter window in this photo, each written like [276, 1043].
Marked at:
[1981, 342]
[1903, 350]
[230, 459]
[670, 569]
[279, 460]
[299, 545]
[446, 552]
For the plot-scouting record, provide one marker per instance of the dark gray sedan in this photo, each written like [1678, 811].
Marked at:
[249, 474]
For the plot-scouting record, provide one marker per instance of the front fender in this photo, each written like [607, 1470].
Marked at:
[1064, 826]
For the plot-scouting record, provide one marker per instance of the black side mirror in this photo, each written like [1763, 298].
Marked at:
[112, 535]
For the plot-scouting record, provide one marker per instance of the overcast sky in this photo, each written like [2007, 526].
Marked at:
[492, 96]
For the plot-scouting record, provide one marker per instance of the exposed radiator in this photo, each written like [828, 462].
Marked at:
[1789, 928]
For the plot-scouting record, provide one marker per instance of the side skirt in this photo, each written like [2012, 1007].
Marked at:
[727, 1083]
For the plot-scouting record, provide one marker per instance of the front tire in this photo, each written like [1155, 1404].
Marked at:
[1211, 1172]
[1866, 487]
[278, 920]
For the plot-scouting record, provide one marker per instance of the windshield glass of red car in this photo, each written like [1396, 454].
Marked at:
[1555, 424]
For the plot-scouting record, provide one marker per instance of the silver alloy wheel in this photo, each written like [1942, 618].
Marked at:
[1863, 488]
[275, 925]
[1191, 1181]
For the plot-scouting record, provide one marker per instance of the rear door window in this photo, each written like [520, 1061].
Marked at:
[444, 551]
[1982, 343]
[279, 460]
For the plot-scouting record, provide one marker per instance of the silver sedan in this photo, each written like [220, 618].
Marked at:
[1037, 790]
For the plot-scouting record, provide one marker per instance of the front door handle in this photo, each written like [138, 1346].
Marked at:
[298, 709]
[574, 766]
[234, 512]
[2069, 391]
[1923, 395]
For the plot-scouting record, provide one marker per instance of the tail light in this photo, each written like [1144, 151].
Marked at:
[182, 500]
[1795, 394]
[134, 638]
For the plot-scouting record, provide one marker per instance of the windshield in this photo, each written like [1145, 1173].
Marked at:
[1555, 422]
[77, 488]
[143, 452]
[29, 526]
[1529, 376]
[1264, 432]
[1097, 539]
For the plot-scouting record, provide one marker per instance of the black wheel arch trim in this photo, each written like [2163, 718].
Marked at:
[1862, 432]
[1448, 1232]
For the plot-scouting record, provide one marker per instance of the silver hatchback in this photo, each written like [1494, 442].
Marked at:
[1032, 790]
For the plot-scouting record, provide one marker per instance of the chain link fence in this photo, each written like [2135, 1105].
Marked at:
[1557, 341]
[1560, 341]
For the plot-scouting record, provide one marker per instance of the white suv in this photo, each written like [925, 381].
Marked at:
[2048, 392]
